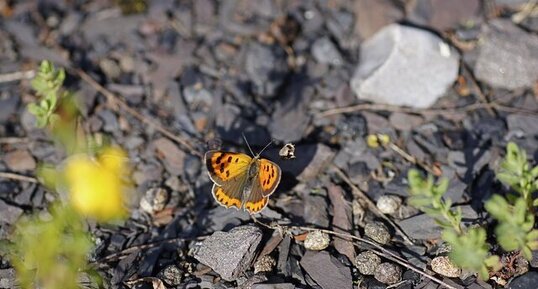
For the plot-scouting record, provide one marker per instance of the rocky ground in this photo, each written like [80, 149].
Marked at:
[451, 82]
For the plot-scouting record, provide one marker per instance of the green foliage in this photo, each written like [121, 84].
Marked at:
[515, 214]
[469, 247]
[49, 253]
[47, 85]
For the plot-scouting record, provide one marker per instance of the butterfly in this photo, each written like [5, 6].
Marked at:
[242, 181]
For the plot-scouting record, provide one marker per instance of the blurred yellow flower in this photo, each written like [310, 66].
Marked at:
[97, 187]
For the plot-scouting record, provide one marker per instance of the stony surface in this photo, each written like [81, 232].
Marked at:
[230, 253]
[508, 56]
[381, 78]
[378, 232]
[526, 281]
[388, 204]
[316, 241]
[442, 265]
[197, 75]
[367, 262]
[388, 273]
[171, 275]
[264, 264]
[326, 270]
[20, 161]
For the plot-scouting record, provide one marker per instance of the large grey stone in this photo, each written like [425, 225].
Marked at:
[230, 253]
[402, 65]
[508, 56]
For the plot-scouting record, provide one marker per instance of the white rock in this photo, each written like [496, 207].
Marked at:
[403, 65]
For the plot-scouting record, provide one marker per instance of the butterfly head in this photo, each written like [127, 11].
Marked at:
[256, 156]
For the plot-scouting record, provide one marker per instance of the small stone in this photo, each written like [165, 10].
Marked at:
[325, 52]
[388, 204]
[267, 68]
[264, 264]
[20, 161]
[8, 278]
[388, 273]
[171, 154]
[366, 262]
[229, 254]
[171, 275]
[523, 123]
[398, 48]
[317, 241]
[443, 266]
[378, 232]
[526, 281]
[110, 68]
[154, 200]
[9, 214]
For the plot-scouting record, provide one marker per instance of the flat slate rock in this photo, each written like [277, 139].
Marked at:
[508, 56]
[8, 213]
[401, 65]
[326, 270]
[526, 281]
[230, 253]
[423, 227]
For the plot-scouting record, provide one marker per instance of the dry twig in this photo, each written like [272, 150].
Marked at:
[18, 177]
[434, 111]
[16, 76]
[370, 203]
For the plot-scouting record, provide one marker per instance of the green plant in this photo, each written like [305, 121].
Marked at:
[50, 253]
[515, 214]
[469, 247]
[47, 85]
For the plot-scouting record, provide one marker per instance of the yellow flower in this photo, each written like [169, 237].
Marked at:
[97, 187]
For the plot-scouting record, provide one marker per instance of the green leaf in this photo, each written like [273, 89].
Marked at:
[498, 207]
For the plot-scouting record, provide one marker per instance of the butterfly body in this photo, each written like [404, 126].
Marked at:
[242, 181]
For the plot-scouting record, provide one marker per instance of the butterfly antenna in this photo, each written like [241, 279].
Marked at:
[246, 141]
[266, 146]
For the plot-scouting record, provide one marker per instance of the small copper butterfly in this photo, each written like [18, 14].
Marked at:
[242, 181]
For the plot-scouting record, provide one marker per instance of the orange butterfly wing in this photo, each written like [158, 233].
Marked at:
[263, 185]
[229, 172]
[225, 166]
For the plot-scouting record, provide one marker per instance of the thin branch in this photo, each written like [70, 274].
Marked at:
[481, 96]
[12, 140]
[16, 76]
[370, 203]
[434, 111]
[115, 102]
[411, 159]
[18, 177]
